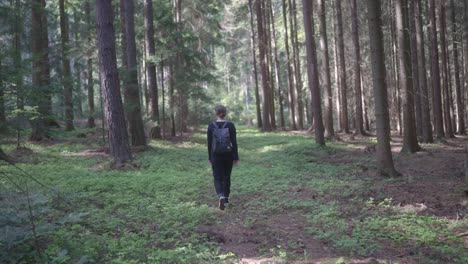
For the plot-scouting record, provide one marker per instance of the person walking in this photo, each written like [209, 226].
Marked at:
[222, 153]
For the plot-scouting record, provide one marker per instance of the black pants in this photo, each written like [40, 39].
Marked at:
[222, 176]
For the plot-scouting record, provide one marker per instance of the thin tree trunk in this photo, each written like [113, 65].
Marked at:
[337, 89]
[359, 120]
[67, 78]
[17, 58]
[269, 55]
[455, 41]
[2, 99]
[384, 154]
[342, 69]
[410, 141]
[439, 124]
[327, 92]
[89, 63]
[312, 72]
[172, 99]
[151, 69]
[422, 76]
[297, 70]
[292, 110]
[277, 68]
[263, 65]
[132, 92]
[119, 147]
[254, 60]
[415, 68]
[445, 76]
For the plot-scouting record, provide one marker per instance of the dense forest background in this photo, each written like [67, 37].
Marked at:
[128, 73]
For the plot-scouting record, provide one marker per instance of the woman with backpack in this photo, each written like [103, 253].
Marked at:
[222, 153]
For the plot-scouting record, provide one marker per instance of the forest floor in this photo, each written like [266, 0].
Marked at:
[292, 202]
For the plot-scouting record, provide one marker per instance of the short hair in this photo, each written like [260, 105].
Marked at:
[221, 111]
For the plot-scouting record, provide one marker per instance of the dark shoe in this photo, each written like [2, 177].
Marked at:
[221, 203]
[226, 200]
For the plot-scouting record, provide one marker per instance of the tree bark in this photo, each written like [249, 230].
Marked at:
[89, 65]
[312, 72]
[297, 68]
[67, 80]
[327, 92]
[342, 70]
[359, 120]
[422, 76]
[40, 70]
[415, 67]
[132, 92]
[17, 58]
[263, 65]
[269, 54]
[445, 77]
[458, 89]
[437, 100]
[151, 69]
[292, 110]
[119, 147]
[277, 68]
[410, 140]
[2, 99]
[254, 61]
[384, 154]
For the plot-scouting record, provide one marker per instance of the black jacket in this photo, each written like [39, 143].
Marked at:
[232, 133]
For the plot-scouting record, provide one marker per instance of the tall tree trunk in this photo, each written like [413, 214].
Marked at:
[415, 68]
[342, 69]
[2, 98]
[396, 68]
[132, 92]
[277, 67]
[312, 72]
[17, 59]
[262, 45]
[465, 58]
[292, 110]
[359, 120]
[410, 140]
[119, 147]
[40, 70]
[384, 154]
[337, 89]
[422, 76]
[437, 100]
[269, 53]
[297, 70]
[458, 89]
[67, 78]
[172, 99]
[151, 68]
[254, 61]
[163, 107]
[327, 92]
[445, 76]
[89, 65]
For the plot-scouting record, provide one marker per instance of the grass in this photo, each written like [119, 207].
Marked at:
[151, 214]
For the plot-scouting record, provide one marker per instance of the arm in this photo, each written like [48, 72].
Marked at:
[209, 136]
[232, 133]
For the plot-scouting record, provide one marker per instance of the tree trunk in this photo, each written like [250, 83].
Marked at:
[458, 89]
[337, 88]
[422, 76]
[445, 77]
[342, 70]
[89, 63]
[132, 92]
[359, 120]
[465, 58]
[2, 99]
[415, 68]
[292, 110]
[67, 80]
[119, 147]
[163, 107]
[172, 99]
[40, 70]
[384, 154]
[437, 100]
[312, 72]
[269, 54]
[254, 61]
[297, 63]
[262, 45]
[327, 92]
[17, 59]
[277, 68]
[151, 69]
[410, 140]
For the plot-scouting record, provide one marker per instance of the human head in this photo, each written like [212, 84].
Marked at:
[221, 111]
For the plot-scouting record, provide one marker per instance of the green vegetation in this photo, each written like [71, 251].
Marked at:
[152, 212]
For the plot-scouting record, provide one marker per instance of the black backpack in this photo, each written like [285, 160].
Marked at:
[221, 139]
